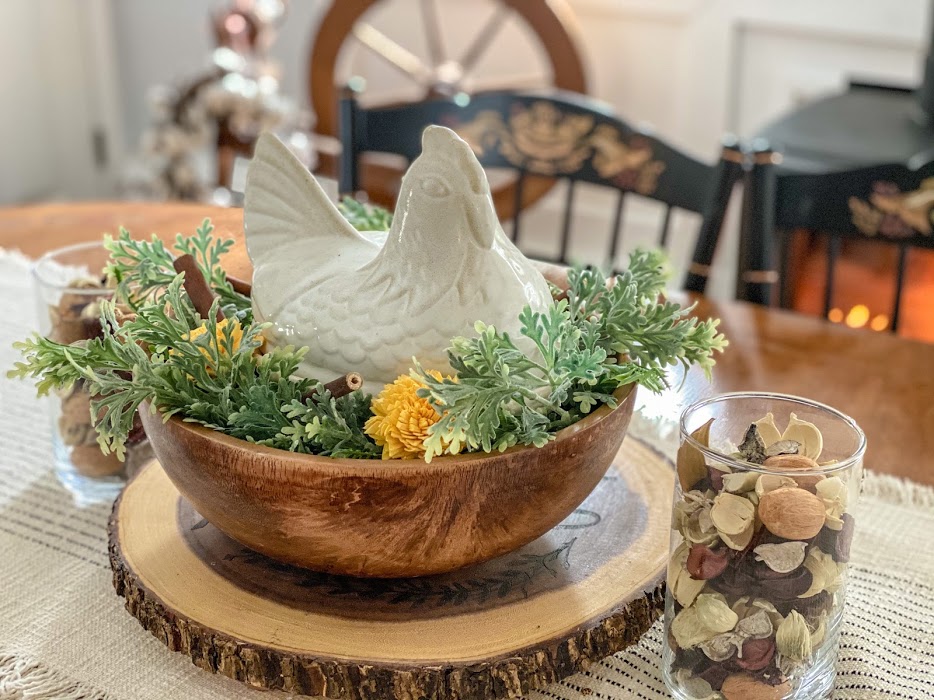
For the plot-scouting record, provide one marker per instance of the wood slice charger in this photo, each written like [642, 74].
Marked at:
[586, 589]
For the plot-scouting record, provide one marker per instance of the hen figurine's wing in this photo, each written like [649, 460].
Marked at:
[285, 205]
[294, 234]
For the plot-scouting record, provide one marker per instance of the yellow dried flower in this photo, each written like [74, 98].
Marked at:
[401, 419]
[236, 336]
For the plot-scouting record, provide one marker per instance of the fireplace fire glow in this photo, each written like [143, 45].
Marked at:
[863, 292]
[859, 316]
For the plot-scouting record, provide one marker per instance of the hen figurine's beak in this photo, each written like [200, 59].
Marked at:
[448, 145]
[443, 143]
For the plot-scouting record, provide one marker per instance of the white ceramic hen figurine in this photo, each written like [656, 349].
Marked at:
[368, 302]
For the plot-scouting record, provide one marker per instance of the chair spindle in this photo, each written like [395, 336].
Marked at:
[899, 286]
[614, 231]
[784, 238]
[566, 225]
[833, 252]
[517, 205]
[666, 226]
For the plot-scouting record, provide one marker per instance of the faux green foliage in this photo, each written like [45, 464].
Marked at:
[520, 391]
[508, 391]
[333, 427]
[143, 269]
[365, 217]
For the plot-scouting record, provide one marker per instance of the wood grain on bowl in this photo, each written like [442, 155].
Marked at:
[387, 518]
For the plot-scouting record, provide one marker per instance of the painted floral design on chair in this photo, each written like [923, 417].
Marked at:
[628, 164]
[547, 141]
[895, 214]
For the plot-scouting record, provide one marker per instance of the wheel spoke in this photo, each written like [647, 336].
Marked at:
[432, 31]
[529, 81]
[392, 53]
[483, 40]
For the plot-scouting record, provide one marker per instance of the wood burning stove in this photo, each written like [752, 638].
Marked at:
[865, 126]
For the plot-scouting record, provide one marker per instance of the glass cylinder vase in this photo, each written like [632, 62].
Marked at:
[760, 543]
[70, 286]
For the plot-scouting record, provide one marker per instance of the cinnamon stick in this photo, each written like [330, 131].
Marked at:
[240, 286]
[340, 386]
[197, 287]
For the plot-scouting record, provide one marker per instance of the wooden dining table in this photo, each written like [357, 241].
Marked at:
[884, 382]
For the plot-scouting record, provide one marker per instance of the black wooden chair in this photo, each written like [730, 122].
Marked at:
[889, 204]
[557, 135]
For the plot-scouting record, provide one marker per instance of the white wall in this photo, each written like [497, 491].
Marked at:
[54, 96]
[25, 125]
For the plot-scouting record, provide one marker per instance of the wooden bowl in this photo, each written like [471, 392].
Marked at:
[387, 518]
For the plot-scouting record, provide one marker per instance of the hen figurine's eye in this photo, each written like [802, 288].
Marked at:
[434, 186]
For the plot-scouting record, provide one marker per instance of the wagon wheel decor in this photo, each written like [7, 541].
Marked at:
[351, 25]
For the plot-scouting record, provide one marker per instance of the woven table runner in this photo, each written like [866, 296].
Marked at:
[64, 634]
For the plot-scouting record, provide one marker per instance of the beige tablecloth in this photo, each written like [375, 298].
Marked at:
[64, 633]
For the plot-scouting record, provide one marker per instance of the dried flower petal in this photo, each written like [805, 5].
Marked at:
[692, 502]
[768, 431]
[699, 497]
[715, 474]
[827, 574]
[772, 482]
[702, 621]
[688, 630]
[704, 563]
[722, 647]
[793, 638]
[783, 447]
[676, 562]
[691, 465]
[696, 687]
[783, 558]
[833, 492]
[732, 514]
[833, 489]
[699, 529]
[788, 588]
[755, 626]
[807, 434]
[756, 654]
[715, 674]
[681, 512]
[740, 482]
[747, 606]
[741, 541]
[714, 613]
[683, 588]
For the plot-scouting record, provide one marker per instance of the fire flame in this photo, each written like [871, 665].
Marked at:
[859, 316]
